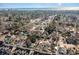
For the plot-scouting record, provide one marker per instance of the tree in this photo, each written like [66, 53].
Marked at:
[51, 27]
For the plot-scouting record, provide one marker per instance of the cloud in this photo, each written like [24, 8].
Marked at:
[67, 8]
[59, 4]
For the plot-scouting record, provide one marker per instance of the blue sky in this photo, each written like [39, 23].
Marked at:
[37, 5]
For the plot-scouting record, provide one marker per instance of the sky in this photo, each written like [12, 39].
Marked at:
[37, 5]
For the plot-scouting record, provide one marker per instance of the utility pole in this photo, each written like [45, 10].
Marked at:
[57, 48]
[75, 27]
